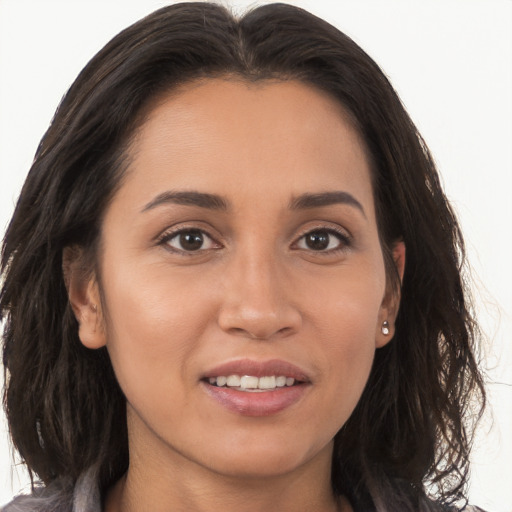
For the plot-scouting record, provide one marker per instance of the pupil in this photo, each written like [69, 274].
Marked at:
[191, 240]
[318, 240]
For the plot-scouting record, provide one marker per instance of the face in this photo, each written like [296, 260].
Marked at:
[242, 279]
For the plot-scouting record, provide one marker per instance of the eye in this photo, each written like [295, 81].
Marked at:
[189, 240]
[323, 240]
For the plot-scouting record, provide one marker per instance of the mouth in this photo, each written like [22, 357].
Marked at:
[256, 388]
[252, 383]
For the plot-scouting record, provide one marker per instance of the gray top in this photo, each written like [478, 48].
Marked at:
[61, 497]
[84, 497]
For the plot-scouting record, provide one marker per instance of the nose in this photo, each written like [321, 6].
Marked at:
[257, 300]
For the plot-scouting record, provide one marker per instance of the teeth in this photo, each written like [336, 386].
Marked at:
[267, 382]
[251, 383]
[248, 382]
[233, 381]
[280, 381]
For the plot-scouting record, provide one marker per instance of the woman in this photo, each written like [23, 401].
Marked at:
[233, 280]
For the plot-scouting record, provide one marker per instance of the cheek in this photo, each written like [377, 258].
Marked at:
[349, 348]
[347, 306]
[344, 324]
[153, 326]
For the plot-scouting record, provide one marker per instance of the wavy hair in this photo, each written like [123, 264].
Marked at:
[408, 439]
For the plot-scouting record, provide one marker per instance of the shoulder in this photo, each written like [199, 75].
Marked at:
[60, 496]
[41, 500]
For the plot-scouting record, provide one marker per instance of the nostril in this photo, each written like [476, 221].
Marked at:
[259, 321]
[261, 334]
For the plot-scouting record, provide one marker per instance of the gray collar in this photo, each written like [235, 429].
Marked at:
[61, 496]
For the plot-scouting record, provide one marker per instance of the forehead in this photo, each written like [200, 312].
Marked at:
[230, 136]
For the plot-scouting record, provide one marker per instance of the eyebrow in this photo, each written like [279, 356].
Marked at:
[216, 202]
[188, 198]
[307, 201]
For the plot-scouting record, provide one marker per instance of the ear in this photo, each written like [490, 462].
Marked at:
[84, 297]
[391, 302]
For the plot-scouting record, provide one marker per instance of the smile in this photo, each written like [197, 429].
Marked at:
[250, 387]
[252, 383]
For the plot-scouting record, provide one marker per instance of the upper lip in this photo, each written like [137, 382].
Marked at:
[256, 368]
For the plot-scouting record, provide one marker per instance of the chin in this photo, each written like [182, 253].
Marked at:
[270, 460]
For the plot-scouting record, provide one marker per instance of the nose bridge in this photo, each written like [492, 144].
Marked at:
[256, 301]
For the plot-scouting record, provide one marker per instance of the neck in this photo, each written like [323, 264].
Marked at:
[162, 479]
[151, 487]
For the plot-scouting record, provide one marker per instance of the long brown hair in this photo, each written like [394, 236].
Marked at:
[409, 432]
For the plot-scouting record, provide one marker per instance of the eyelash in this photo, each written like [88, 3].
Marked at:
[167, 236]
[345, 240]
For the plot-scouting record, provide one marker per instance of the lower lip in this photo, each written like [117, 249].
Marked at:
[249, 403]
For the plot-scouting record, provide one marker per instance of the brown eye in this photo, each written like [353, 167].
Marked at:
[317, 240]
[190, 240]
[322, 240]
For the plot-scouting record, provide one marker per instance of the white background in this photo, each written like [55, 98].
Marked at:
[450, 61]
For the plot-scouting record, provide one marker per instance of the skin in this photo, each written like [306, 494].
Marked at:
[255, 289]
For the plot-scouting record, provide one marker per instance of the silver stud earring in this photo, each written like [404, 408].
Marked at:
[385, 328]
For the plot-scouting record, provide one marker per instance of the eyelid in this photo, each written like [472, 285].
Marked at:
[170, 233]
[343, 235]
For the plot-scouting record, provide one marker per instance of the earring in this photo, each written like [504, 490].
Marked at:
[385, 328]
